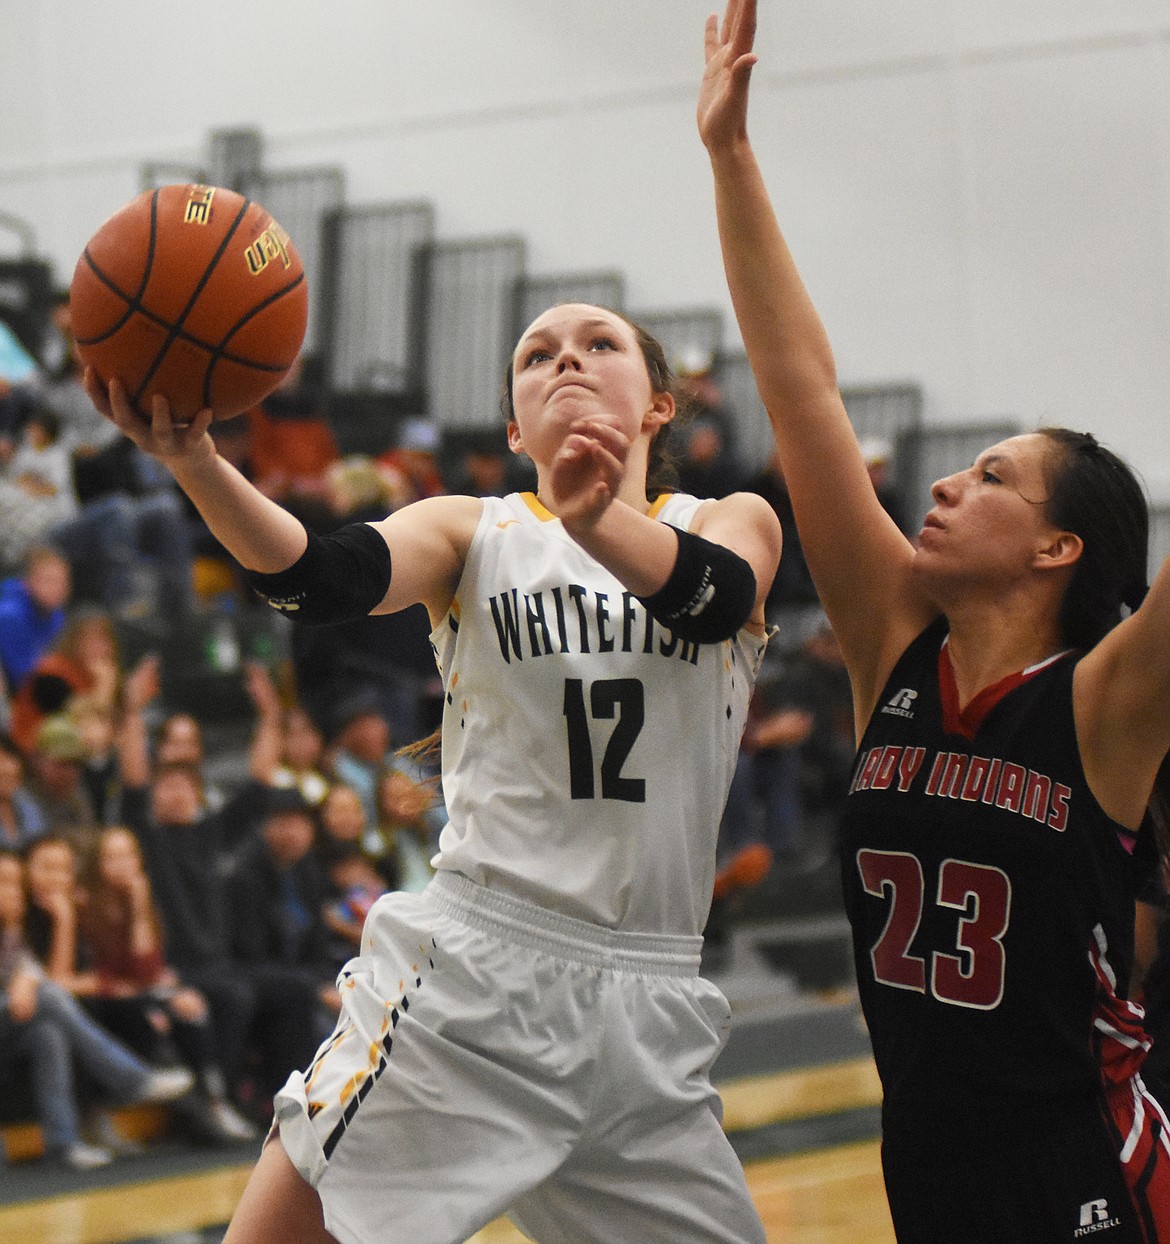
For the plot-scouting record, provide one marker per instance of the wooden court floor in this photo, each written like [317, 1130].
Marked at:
[831, 1196]
[825, 1196]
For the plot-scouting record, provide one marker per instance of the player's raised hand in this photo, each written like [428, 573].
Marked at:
[162, 437]
[587, 472]
[723, 94]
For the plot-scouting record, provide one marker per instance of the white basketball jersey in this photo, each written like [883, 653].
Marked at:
[587, 750]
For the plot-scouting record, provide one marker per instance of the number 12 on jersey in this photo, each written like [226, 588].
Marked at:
[981, 894]
[623, 698]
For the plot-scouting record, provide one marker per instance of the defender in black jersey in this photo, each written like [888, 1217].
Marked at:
[992, 902]
[1011, 683]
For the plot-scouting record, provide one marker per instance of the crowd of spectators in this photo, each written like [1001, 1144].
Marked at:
[198, 923]
[184, 930]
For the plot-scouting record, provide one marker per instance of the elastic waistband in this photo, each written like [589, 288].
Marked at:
[523, 923]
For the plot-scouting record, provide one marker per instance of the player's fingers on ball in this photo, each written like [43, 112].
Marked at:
[161, 423]
[198, 425]
[96, 391]
[120, 409]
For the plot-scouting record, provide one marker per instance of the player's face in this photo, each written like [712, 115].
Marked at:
[989, 522]
[574, 362]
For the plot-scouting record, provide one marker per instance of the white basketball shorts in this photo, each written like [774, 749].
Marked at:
[492, 1057]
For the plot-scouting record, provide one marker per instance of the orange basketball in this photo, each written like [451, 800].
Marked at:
[194, 292]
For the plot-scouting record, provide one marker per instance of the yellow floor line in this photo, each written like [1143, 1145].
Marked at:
[805, 1093]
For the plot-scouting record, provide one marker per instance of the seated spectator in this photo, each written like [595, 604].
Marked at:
[276, 895]
[57, 782]
[188, 850]
[796, 756]
[302, 756]
[413, 455]
[410, 819]
[482, 468]
[708, 465]
[139, 997]
[406, 805]
[102, 455]
[39, 505]
[356, 885]
[21, 818]
[360, 747]
[383, 662]
[818, 680]
[180, 742]
[84, 660]
[291, 445]
[139, 498]
[53, 917]
[287, 748]
[41, 1025]
[792, 592]
[358, 490]
[775, 732]
[36, 487]
[97, 724]
[344, 823]
[32, 613]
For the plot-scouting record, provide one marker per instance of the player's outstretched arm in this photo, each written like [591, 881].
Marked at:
[408, 558]
[859, 559]
[257, 532]
[1122, 697]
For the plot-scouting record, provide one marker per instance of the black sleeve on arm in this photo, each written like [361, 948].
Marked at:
[339, 577]
[709, 595]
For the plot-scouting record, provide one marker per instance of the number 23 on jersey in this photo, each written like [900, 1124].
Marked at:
[971, 972]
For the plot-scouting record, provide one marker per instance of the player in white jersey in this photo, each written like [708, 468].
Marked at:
[530, 1035]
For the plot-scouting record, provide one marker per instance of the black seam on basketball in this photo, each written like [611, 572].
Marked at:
[133, 301]
[183, 335]
[131, 307]
[219, 354]
[176, 328]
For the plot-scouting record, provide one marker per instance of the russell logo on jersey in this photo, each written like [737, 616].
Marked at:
[902, 705]
[1095, 1217]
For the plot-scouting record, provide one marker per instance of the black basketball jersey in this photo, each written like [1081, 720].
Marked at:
[991, 899]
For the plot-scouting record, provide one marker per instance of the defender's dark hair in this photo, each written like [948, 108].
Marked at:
[1095, 495]
[662, 465]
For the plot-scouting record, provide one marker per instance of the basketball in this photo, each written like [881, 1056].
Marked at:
[194, 292]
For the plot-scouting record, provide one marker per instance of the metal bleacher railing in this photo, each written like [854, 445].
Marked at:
[369, 296]
[469, 296]
[535, 294]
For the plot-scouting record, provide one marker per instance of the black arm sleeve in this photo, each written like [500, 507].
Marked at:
[339, 577]
[709, 595]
